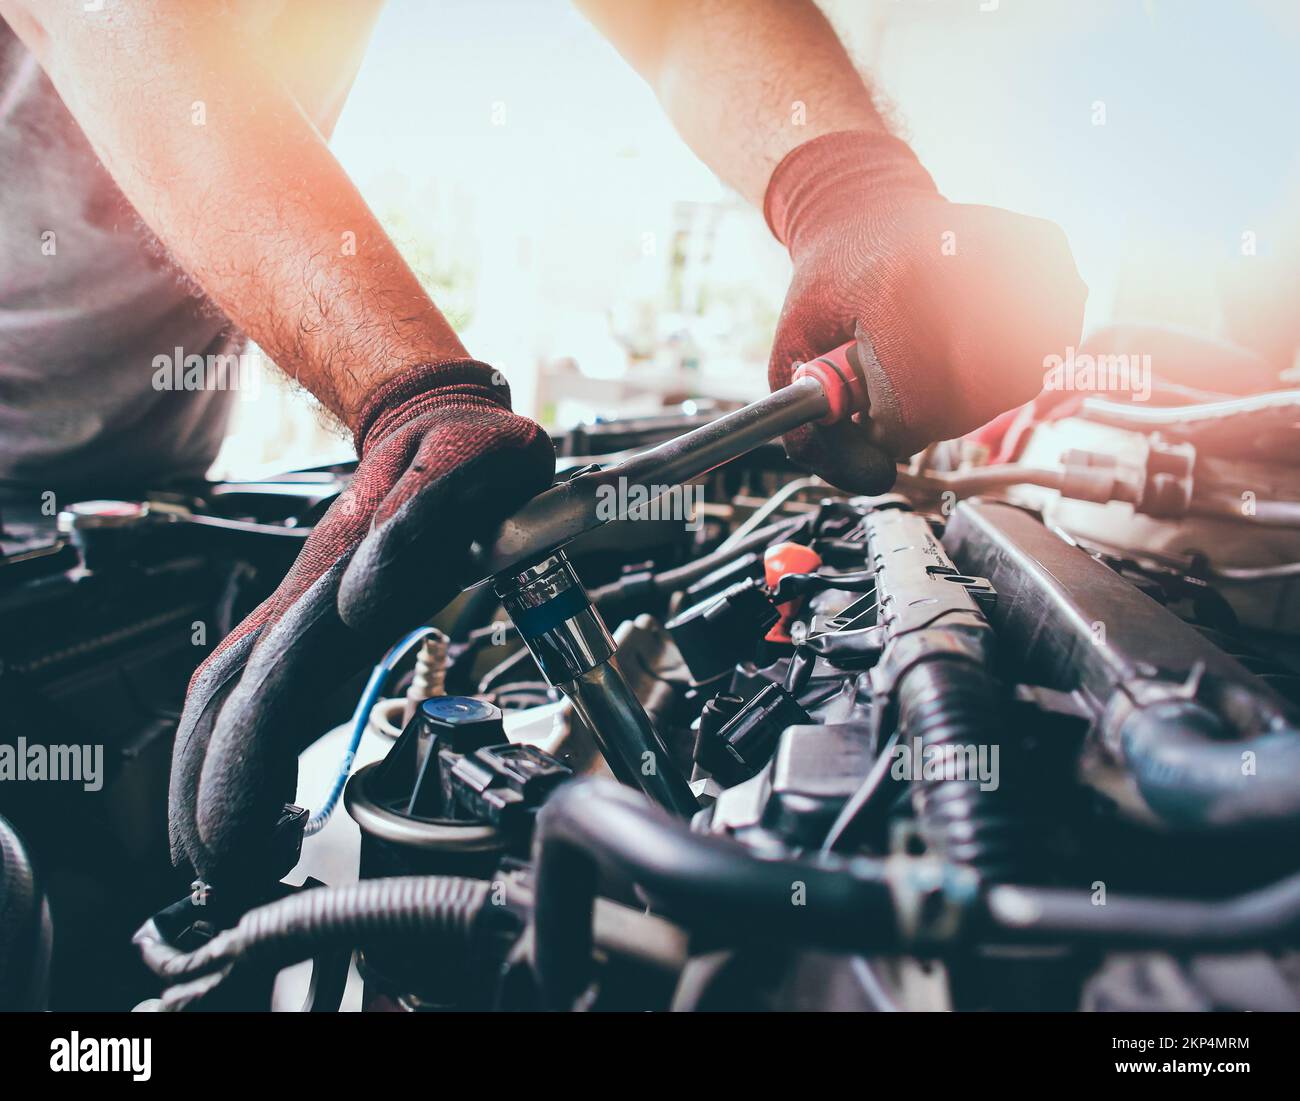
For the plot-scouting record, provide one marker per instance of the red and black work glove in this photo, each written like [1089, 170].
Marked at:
[954, 307]
[442, 461]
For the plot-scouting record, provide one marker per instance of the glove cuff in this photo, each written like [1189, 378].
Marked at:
[427, 385]
[829, 176]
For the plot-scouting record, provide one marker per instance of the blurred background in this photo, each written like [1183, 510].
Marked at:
[577, 244]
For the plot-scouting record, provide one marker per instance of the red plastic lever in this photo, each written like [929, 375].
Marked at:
[846, 389]
[779, 560]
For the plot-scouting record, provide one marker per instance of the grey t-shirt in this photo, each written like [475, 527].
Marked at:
[86, 304]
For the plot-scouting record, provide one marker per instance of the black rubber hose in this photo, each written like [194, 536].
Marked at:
[1258, 918]
[707, 883]
[442, 909]
[950, 706]
[1193, 774]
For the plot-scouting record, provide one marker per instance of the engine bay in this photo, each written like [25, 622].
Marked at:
[766, 746]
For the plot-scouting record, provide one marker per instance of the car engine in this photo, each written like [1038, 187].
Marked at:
[1018, 735]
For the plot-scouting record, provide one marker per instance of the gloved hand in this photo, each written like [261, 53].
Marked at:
[954, 306]
[443, 459]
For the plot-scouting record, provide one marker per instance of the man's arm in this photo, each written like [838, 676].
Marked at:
[188, 112]
[743, 81]
[249, 200]
[951, 308]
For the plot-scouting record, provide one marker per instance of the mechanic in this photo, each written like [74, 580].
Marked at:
[140, 141]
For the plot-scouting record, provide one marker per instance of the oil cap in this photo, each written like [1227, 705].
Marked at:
[778, 562]
[462, 723]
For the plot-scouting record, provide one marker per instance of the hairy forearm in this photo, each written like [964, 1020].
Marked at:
[744, 81]
[220, 161]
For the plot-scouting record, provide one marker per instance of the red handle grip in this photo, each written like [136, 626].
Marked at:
[838, 372]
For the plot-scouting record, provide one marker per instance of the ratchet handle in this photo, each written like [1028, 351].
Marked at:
[841, 378]
[825, 390]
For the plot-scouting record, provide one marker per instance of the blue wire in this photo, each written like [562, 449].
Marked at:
[360, 717]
